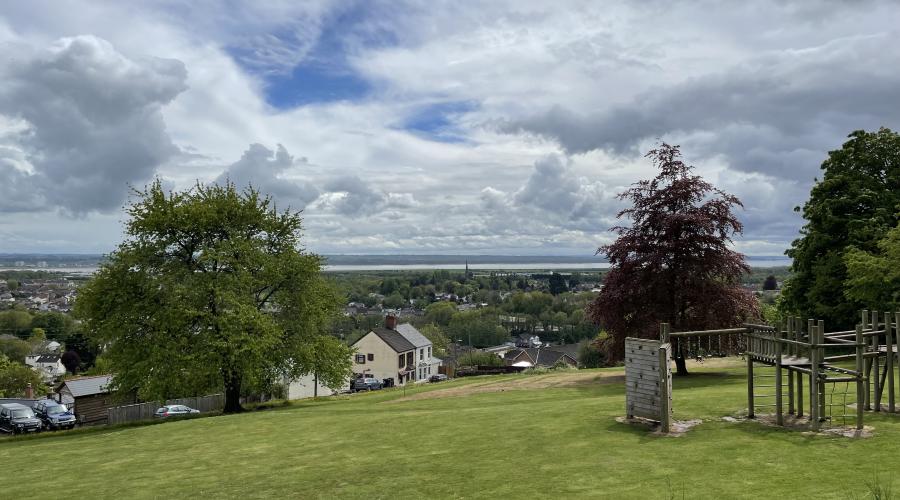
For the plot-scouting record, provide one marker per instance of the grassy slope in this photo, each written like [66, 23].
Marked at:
[536, 443]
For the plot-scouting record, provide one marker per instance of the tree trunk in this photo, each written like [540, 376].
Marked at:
[680, 363]
[232, 393]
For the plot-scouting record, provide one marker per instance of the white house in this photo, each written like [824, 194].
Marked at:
[48, 365]
[307, 386]
[398, 353]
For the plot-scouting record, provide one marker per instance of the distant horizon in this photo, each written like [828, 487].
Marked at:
[370, 254]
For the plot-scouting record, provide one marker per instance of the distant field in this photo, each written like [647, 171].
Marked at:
[542, 436]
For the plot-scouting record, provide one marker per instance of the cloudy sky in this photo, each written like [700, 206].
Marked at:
[429, 127]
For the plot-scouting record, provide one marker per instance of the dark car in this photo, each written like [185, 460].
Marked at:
[366, 384]
[174, 411]
[16, 418]
[438, 377]
[54, 415]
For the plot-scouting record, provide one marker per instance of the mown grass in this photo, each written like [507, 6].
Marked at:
[541, 443]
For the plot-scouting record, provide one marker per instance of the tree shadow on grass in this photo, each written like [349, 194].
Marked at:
[706, 379]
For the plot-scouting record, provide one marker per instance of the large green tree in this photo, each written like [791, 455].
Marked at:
[211, 289]
[854, 204]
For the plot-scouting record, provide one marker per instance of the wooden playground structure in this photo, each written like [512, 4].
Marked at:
[799, 369]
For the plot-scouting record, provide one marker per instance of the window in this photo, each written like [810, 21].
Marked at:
[401, 361]
[360, 359]
[429, 352]
[371, 357]
[421, 354]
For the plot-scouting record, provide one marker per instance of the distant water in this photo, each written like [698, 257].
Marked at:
[530, 266]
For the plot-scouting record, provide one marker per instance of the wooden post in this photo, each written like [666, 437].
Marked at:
[876, 362]
[790, 335]
[859, 375]
[820, 340]
[779, 417]
[867, 362]
[889, 359]
[750, 404]
[798, 334]
[813, 377]
[665, 388]
[664, 331]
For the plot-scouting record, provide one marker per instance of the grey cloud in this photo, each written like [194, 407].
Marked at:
[550, 187]
[93, 119]
[359, 198]
[264, 169]
[551, 200]
[779, 112]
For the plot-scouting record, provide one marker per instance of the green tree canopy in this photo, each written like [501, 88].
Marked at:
[15, 377]
[211, 290]
[440, 313]
[15, 322]
[874, 277]
[438, 339]
[478, 328]
[14, 348]
[854, 205]
[557, 284]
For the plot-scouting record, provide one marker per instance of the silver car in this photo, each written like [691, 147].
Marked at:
[174, 411]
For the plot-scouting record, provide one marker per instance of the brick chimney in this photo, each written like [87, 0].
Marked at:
[29, 392]
[390, 322]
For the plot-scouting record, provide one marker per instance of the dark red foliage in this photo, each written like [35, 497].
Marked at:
[673, 263]
[71, 361]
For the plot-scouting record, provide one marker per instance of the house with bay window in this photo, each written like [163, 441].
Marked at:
[396, 353]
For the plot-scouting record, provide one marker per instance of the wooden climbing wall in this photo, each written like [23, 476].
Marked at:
[648, 380]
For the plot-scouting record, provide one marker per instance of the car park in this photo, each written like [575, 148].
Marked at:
[54, 415]
[17, 418]
[438, 377]
[174, 411]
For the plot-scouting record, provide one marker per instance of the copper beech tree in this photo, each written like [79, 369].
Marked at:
[673, 262]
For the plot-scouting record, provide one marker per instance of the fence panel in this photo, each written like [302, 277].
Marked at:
[145, 411]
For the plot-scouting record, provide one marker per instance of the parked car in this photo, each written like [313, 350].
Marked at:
[174, 411]
[367, 384]
[438, 377]
[54, 415]
[17, 418]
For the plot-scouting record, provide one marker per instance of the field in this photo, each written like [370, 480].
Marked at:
[544, 436]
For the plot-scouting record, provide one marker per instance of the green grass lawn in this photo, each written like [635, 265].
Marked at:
[557, 442]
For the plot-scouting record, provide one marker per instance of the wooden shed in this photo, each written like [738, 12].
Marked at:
[88, 398]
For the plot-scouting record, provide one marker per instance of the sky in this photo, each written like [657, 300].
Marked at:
[430, 127]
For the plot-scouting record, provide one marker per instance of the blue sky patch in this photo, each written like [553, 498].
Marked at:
[325, 74]
[438, 121]
[311, 83]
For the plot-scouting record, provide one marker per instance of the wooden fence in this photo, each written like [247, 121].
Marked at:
[145, 411]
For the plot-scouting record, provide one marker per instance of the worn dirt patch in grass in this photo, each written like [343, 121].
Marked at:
[792, 422]
[525, 382]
